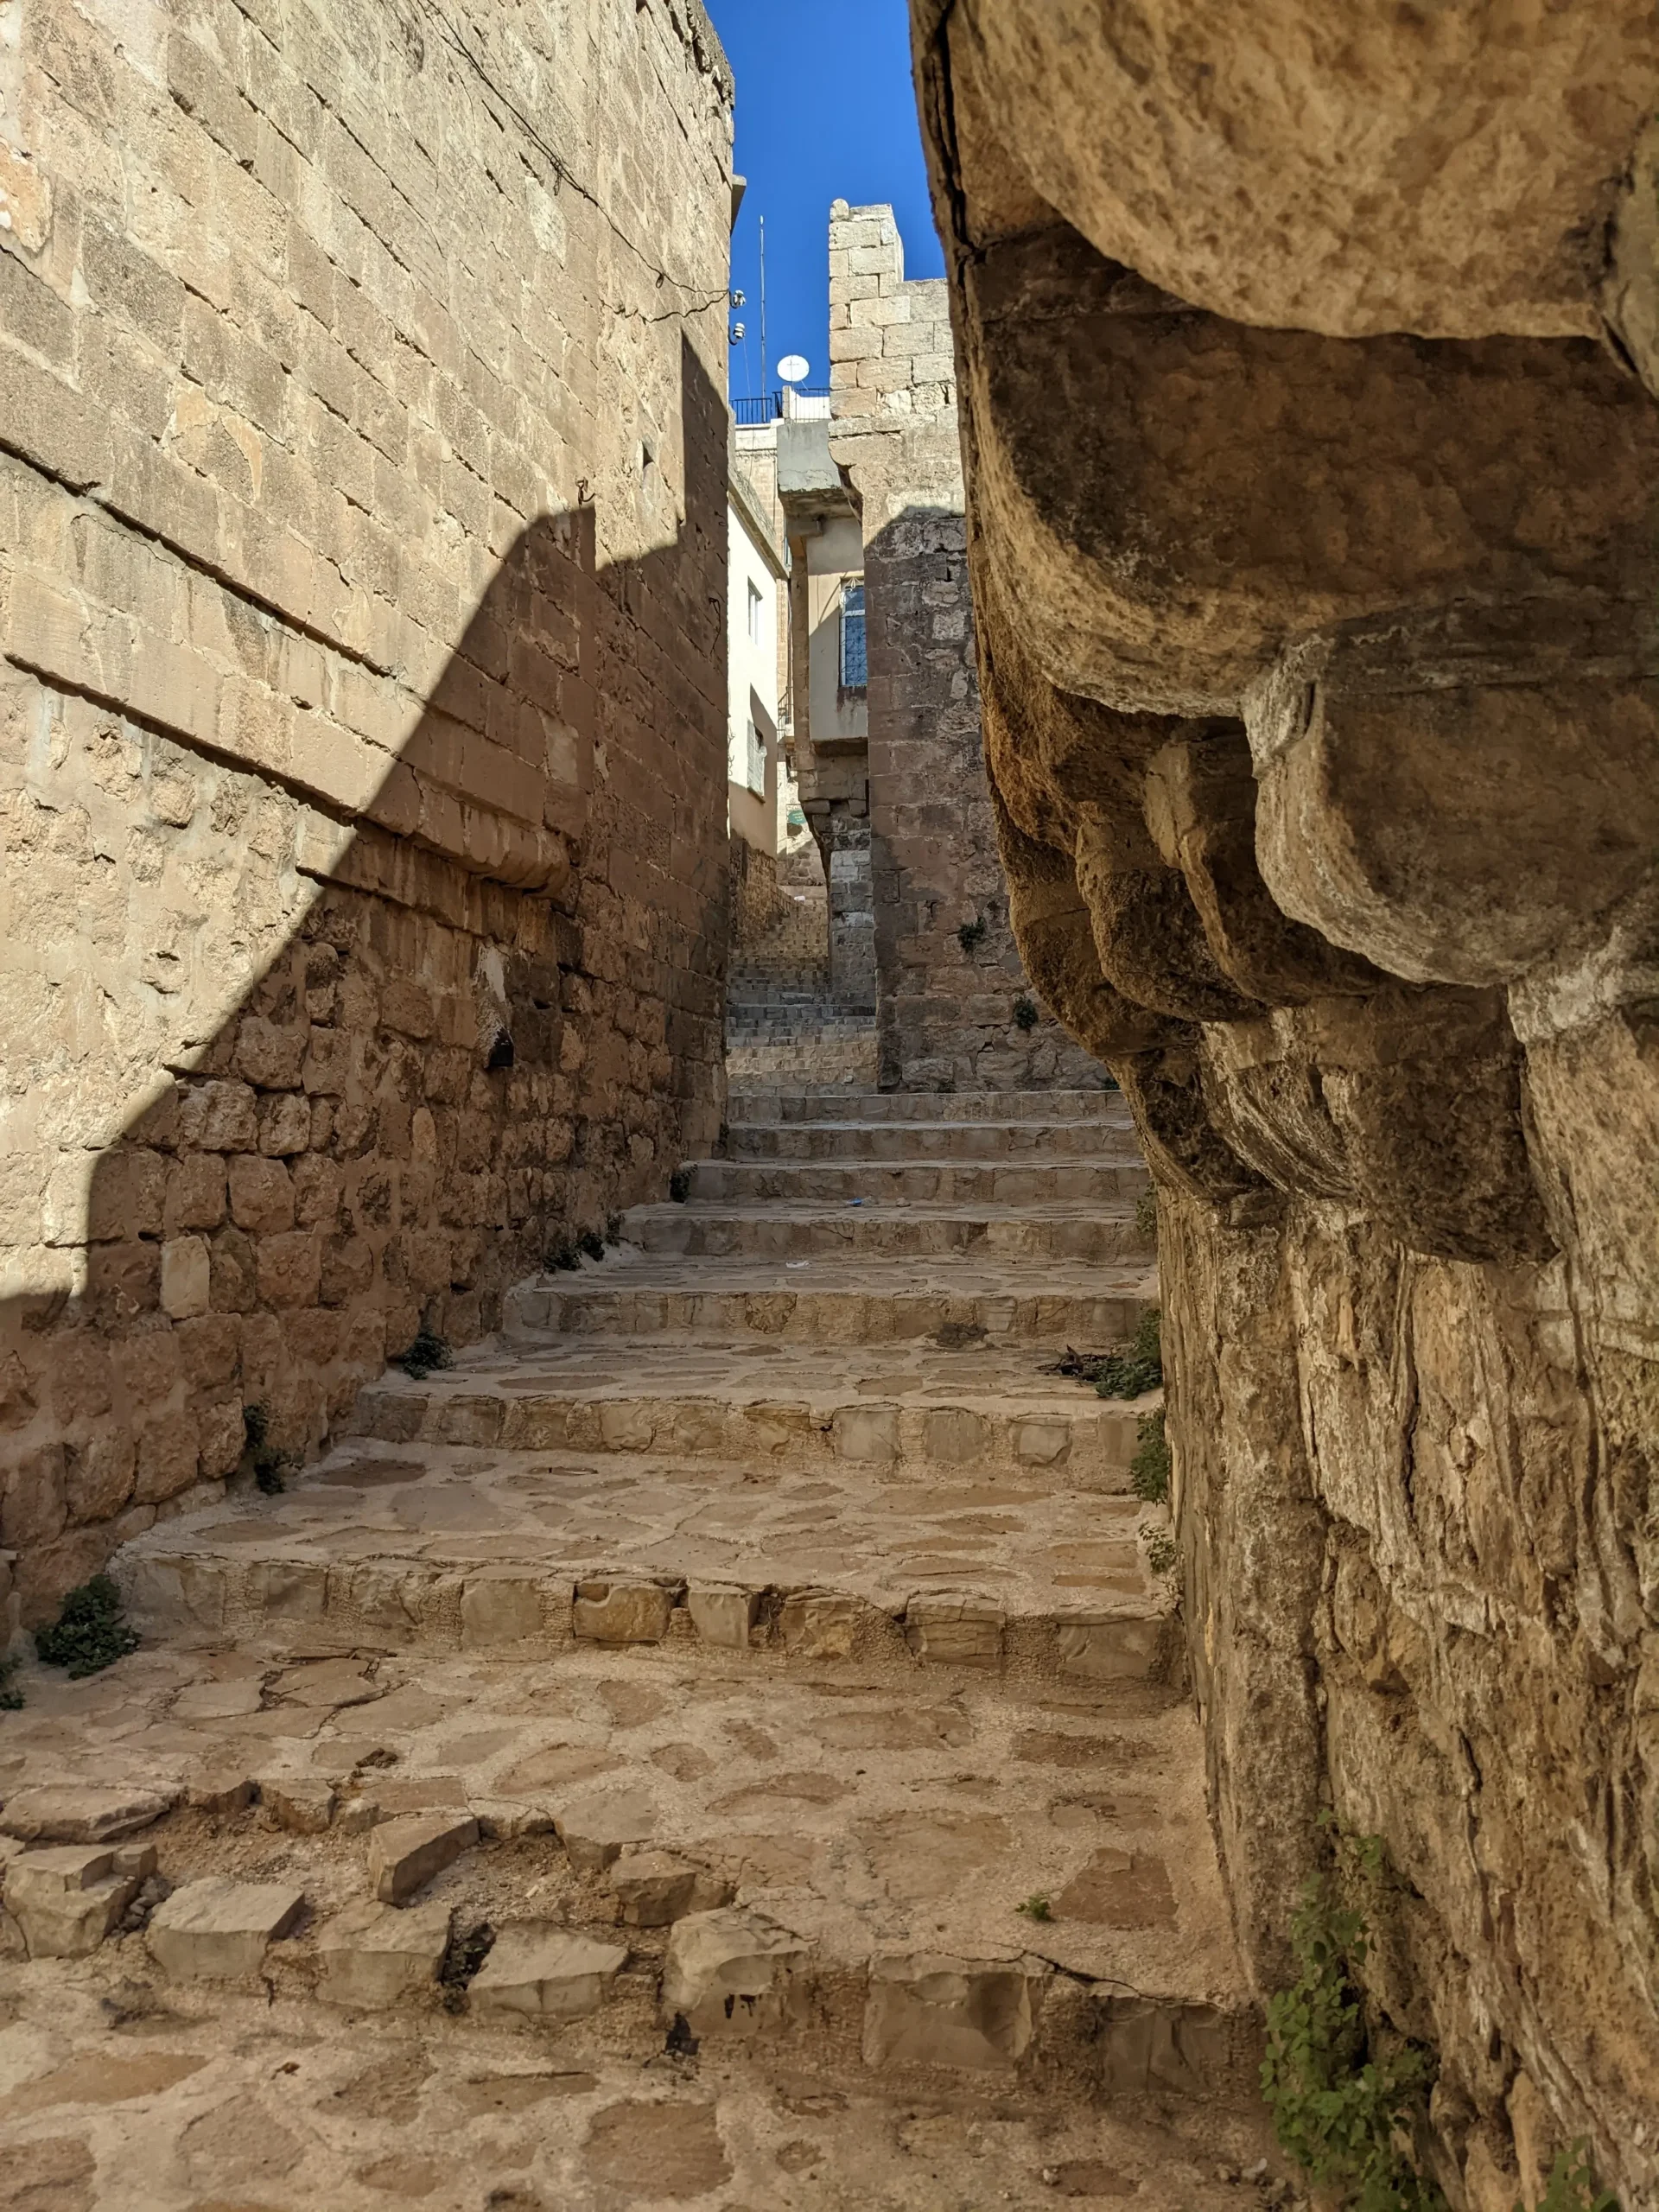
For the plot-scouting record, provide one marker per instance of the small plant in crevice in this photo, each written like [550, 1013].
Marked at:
[1162, 1551]
[1036, 1908]
[424, 1357]
[613, 1228]
[679, 1186]
[1344, 2098]
[1571, 2185]
[971, 935]
[1139, 1367]
[1025, 1013]
[272, 1468]
[1146, 1215]
[1150, 1466]
[89, 1632]
[11, 1700]
[467, 1950]
[565, 1256]
[591, 1244]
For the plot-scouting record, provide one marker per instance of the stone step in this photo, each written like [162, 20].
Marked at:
[900, 1414]
[443, 1546]
[774, 1864]
[1036, 1143]
[1080, 1179]
[953, 1300]
[464, 2111]
[780, 1070]
[860, 1228]
[808, 1104]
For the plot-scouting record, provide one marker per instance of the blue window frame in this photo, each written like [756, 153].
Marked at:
[855, 656]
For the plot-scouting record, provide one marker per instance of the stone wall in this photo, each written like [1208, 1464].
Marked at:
[1313, 596]
[362, 744]
[945, 1011]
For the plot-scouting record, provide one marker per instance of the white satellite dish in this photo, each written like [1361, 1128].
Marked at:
[793, 367]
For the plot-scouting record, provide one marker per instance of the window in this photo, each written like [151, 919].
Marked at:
[757, 636]
[854, 660]
[757, 777]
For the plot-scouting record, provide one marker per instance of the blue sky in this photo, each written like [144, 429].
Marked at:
[825, 110]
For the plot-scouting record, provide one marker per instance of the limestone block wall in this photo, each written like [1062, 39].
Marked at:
[362, 745]
[1310, 527]
[945, 1013]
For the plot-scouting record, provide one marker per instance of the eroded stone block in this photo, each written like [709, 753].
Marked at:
[79, 1812]
[614, 1611]
[375, 1955]
[931, 2010]
[540, 1972]
[723, 1616]
[217, 1930]
[66, 1900]
[734, 1970]
[405, 1854]
[655, 1888]
[955, 1632]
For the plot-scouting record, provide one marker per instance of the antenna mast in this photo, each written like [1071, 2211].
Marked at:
[765, 357]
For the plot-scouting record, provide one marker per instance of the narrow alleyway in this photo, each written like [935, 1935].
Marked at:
[716, 1744]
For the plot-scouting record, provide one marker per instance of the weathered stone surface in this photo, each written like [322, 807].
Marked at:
[403, 1855]
[621, 1612]
[655, 1888]
[217, 1929]
[540, 1972]
[595, 1830]
[395, 1039]
[723, 1616]
[303, 1804]
[65, 1901]
[1334, 836]
[929, 2010]
[734, 1972]
[79, 1812]
[374, 1956]
[955, 1632]
[1436, 176]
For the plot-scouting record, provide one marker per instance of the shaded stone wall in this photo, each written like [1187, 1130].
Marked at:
[1314, 605]
[362, 745]
[945, 1012]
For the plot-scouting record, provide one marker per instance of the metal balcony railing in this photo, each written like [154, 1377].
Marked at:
[792, 402]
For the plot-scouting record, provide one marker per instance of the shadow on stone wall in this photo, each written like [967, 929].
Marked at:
[438, 1073]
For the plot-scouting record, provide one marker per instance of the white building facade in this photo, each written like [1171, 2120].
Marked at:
[753, 750]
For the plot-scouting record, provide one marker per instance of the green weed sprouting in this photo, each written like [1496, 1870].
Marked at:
[272, 1468]
[1341, 2103]
[679, 1186]
[1036, 1908]
[1149, 1469]
[1025, 1013]
[89, 1632]
[972, 934]
[424, 1357]
[592, 1243]
[1571, 2185]
[1131, 1373]
[1146, 1215]
[1162, 1551]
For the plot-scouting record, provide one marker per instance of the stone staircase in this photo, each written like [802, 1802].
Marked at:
[749, 1666]
[785, 1034]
